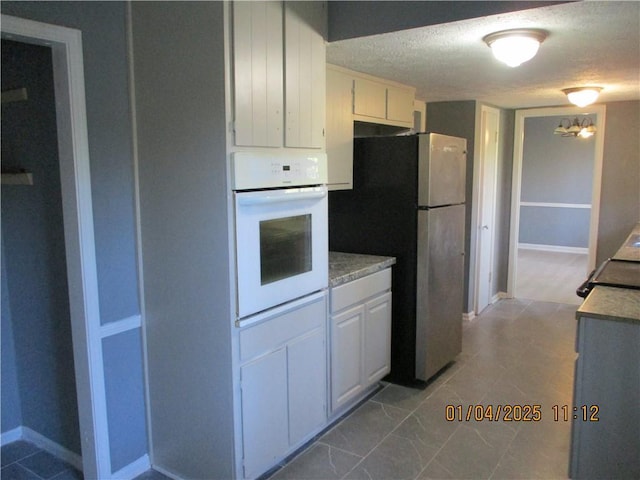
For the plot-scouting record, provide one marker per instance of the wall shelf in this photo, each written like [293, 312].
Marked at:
[17, 178]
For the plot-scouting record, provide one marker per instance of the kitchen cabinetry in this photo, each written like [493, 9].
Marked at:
[339, 128]
[385, 103]
[283, 383]
[360, 337]
[605, 415]
[279, 74]
[353, 96]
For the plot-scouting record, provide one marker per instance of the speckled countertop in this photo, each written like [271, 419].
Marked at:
[346, 267]
[627, 251]
[614, 303]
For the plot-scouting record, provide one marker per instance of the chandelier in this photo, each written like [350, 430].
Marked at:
[576, 128]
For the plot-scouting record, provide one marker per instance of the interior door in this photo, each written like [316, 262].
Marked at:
[486, 220]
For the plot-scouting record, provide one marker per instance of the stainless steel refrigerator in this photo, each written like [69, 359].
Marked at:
[408, 201]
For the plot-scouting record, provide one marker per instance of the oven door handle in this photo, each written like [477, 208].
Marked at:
[286, 197]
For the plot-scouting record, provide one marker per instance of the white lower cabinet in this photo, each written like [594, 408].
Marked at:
[377, 338]
[360, 337]
[264, 412]
[283, 381]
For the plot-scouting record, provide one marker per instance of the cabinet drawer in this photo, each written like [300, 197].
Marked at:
[278, 331]
[360, 289]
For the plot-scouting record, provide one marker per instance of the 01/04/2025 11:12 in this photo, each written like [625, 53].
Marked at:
[519, 413]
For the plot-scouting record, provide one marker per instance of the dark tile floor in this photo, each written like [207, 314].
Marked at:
[517, 353]
[22, 460]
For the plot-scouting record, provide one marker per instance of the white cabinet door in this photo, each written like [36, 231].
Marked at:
[339, 129]
[346, 355]
[307, 385]
[400, 104]
[304, 74]
[369, 99]
[264, 412]
[377, 338]
[258, 84]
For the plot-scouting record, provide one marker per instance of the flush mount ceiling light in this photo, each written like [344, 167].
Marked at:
[577, 128]
[582, 96]
[515, 47]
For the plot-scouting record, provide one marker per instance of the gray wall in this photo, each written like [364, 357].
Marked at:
[351, 19]
[34, 280]
[11, 406]
[180, 102]
[103, 27]
[620, 194]
[555, 169]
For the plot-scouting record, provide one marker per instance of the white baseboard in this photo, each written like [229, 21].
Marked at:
[131, 471]
[553, 248]
[40, 441]
[11, 436]
[166, 472]
[499, 296]
[134, 469]
[468, 316]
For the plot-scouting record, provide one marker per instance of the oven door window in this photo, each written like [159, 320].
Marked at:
[285, 248]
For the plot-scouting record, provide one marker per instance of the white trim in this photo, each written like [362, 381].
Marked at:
[137, 209]
[501, 296]
[44, 443]
[135, 468]
[166, 473]
[52, 447]
[11, 436]
[518, 144]
[553, 248]
[469, 316]
[73, 149]
[120, 326]
[555, 205]
[477, 201]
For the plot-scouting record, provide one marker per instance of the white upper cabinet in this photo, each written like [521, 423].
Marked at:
[304, 74]
[381, 101]
[369, 99]
[400, 104]
[257, 68]
[279, 74]
[339, 129]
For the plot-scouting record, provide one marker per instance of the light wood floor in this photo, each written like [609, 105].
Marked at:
[550, 276]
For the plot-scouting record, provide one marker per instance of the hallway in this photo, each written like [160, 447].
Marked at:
[517, 353]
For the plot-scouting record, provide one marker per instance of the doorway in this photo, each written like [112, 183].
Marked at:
[488, 170]
[555, 204]
[75, 186]
[35, 307]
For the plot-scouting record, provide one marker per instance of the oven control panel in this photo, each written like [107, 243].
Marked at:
[253, 170]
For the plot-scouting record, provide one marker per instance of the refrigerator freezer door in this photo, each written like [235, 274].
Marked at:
[440, 285]
[442, 170]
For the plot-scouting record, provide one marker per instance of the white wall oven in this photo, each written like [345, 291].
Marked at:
[280, 228]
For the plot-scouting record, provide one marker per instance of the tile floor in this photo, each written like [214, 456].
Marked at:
[517, 353]
[24, 461]
[550, 276]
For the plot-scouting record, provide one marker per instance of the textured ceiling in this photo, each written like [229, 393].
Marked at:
[589, 43]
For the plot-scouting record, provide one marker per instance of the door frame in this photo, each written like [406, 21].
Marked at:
[481, 200]
[73, 151]
[518, 152]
